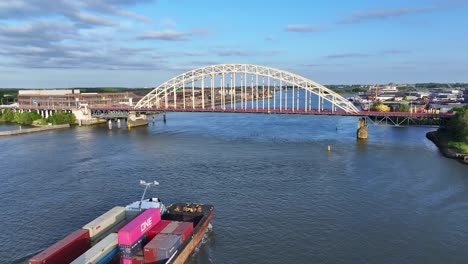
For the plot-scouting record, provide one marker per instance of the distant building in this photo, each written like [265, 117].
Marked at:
[465, 95]
[73, 98]
[416, 95]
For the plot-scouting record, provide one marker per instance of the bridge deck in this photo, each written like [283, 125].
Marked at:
[255, 110]
[277, 111]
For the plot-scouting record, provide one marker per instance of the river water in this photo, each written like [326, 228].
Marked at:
[279, 195]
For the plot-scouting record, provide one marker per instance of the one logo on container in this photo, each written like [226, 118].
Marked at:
[146, 224]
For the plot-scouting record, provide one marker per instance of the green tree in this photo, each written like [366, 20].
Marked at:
[378, 106]
[16, 117]
[40, 122]
[403, 108]
[35, 115]
[24, 118]
[457, 127]
[8, 115]
[61, 117]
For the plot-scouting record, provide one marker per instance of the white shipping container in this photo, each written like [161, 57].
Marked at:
[132, 213]
[105, 221]
[113, 229]
[99, 250]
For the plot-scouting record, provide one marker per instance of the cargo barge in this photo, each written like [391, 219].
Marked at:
[143, 232]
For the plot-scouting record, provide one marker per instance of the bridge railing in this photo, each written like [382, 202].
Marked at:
[404, 114]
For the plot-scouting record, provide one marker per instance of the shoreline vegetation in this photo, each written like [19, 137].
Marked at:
[34, 119]
[452, 140]
[444, 147]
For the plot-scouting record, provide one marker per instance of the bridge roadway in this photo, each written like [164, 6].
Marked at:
[277, 111]
[253, 110]
[372, 117]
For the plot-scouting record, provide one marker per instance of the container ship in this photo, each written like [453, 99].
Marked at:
[144, 231]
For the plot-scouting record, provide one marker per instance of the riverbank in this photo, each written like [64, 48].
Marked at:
[445, 149]
[32, 130]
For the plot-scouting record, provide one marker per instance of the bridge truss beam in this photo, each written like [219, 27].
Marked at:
[406, 121]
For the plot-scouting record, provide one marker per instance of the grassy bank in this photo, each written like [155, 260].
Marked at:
[446, 140]
[455, 135]
[450, 149]
[461, 147]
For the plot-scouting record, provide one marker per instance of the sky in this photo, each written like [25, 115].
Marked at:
[143, 43]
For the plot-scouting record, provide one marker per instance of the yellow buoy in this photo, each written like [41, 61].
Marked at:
[329, 148]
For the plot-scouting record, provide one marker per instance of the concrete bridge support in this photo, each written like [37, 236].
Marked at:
[44, 113]
[363, 129]
[83, 117]
[135, 119]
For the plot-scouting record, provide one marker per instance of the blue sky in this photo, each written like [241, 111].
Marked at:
[137, 43]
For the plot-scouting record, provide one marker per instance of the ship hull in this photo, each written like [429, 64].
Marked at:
[190, 244]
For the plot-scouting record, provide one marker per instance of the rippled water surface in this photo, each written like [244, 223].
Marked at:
[279, 195]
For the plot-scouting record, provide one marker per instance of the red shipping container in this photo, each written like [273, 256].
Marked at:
[161, 248]
[184, 230]
[65, 250]
[169, 229]
[134, 260]
[151, 249]
[136, 228]
[156, 229]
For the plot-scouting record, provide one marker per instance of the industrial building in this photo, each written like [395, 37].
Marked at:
[73, 98]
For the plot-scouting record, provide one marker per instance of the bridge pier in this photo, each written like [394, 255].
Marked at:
[363, 129]
[110, 124]
[84, 117]
[133, 120]
[119, 125]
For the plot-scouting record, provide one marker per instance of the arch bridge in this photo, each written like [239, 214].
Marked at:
[244, 88]
[247, 88]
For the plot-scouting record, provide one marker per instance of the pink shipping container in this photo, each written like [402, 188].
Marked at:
[137, 260]
[132, 231]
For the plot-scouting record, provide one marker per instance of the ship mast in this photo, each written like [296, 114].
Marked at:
[147, 185]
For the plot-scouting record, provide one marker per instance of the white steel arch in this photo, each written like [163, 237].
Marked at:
[161, 92]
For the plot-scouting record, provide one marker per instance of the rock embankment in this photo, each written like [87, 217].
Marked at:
[32, 130]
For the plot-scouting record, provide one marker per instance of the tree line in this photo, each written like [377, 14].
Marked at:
[33, 118]
[457, 127]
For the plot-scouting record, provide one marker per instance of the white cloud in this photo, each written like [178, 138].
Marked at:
[166, 35]
[304, 28]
